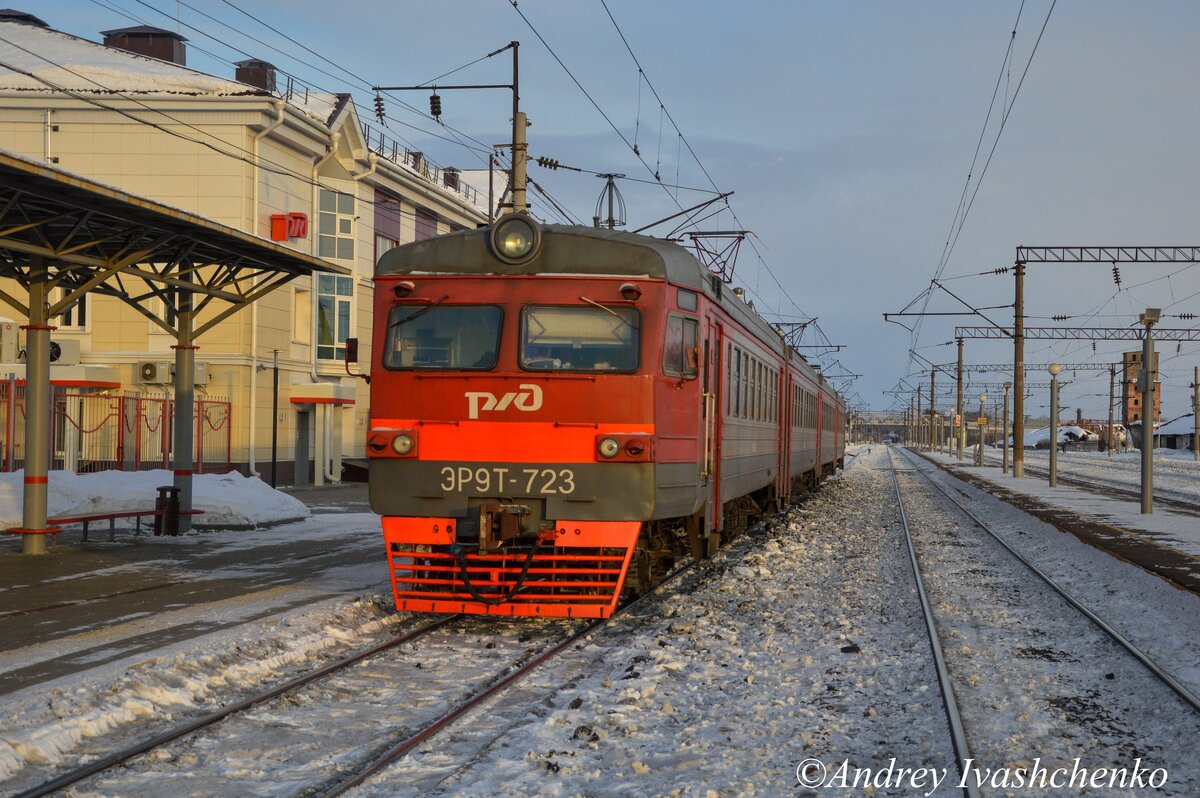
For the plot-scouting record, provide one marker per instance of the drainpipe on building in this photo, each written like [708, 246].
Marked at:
[373, 160]
[334, 138]
[252, 464]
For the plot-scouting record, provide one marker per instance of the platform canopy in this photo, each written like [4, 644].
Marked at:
[94, 237]
[61, 230]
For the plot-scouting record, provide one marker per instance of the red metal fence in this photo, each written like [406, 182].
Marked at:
[124, 432]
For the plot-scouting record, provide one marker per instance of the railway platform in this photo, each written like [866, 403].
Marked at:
[1097, 501]
[88, 603]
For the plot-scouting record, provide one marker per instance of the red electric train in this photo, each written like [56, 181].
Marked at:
[559, 413]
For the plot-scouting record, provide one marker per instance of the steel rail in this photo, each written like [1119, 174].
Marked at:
[1165, 676]
[124, 755]
[962, 750]
[339, 785]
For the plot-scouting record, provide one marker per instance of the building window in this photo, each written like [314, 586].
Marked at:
[74, 317]
[335, 232]
[383, 244]
[335, 297]
[301, 315]
[427, 224]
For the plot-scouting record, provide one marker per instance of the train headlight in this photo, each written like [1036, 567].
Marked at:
[609, 448]
[403, 444]
[515, 238]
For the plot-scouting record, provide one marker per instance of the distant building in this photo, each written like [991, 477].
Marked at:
[252, 151]
[1131, 397]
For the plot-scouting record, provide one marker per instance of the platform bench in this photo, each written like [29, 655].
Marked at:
[112, 520]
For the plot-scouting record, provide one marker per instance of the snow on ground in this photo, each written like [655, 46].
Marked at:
[229, 501]
[50, 724]
[801, 642]
[1175, 476]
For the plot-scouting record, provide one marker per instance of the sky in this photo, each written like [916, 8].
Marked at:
[846, 130]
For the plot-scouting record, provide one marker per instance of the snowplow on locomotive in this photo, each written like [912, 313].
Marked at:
[559, 413]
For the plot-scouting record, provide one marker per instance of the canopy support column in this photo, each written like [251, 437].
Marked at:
[185, 402]
[37, 411]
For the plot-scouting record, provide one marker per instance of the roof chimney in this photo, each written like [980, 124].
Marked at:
[20, 17]
[254, 72]
[145, 40]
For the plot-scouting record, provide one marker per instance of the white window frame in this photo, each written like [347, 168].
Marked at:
[336, 234]
[335, 350]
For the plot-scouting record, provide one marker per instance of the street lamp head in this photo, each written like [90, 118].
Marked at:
[1055, 369]
[1151, 316]
[1007, 386]
[982, 397]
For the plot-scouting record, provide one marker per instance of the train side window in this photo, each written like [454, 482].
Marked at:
[680, 354]
[687, 299]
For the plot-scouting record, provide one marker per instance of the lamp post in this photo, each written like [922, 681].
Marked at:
[1054, 369]
[1004, 430]
[1149, 318]
[980, 425]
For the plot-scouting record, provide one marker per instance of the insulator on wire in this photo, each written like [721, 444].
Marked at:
[379, 108]
[548, 163]
[1187, 316]
[1116, 275]
[1060, 317]
[435, 105]
[1093, 347]
[1001, 270]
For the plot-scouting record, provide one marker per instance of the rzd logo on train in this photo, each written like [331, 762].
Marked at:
[528, 399]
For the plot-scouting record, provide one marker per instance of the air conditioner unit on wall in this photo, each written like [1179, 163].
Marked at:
[152, 372]
[162, 372]
[64, 353]
[8, 342]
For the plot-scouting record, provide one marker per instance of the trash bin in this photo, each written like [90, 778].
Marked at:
[167, 506]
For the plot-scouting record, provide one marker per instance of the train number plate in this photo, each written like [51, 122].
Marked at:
[508, 481]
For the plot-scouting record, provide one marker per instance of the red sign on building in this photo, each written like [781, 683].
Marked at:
[288, 225]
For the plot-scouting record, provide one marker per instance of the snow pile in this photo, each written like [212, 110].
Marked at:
[228, 500]
[49, 61]
[61, 60]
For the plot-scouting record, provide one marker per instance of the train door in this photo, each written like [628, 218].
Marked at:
[786, 391]
[818, 423]
[713, 348]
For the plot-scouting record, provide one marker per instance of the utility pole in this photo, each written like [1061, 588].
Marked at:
[1196, 413]
[1054, 370]
[919, 435]
[932, 406]
[1111, 438]
[1004, 429]
[275, 418]
[519, 142]
[1149, 318]
[962, 422]
[1019, 372]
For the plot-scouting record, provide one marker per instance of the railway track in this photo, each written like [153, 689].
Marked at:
[125, 755]
[402, 739]
[979, 614]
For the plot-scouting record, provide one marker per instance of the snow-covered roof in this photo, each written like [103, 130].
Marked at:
[1177, 426]
[51, 62]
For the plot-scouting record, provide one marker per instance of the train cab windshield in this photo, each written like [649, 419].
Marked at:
[460, 337]
[599, 338]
